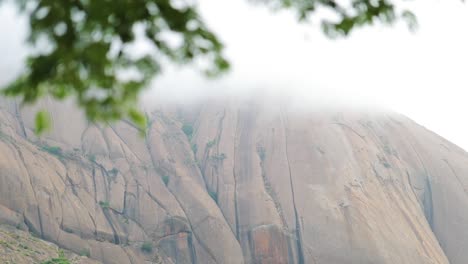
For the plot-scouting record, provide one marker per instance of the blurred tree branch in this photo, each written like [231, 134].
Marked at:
[81, 47]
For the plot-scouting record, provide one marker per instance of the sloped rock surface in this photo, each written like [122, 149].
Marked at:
[19, 247]
[251, 184]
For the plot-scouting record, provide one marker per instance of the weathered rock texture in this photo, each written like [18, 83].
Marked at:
[251, 185]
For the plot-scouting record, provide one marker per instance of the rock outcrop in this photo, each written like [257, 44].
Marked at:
[237, 183]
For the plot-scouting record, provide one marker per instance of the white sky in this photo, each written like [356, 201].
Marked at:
[422, 75]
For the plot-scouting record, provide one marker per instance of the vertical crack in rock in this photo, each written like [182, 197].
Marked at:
[427, 202]
[218, 139]
[236, 207]
[193, 255]
[33, 190]
[124, 210]
[30, 225]
[76, 217]
[109, 221]
[132, 261]
[150, 154]
[410, 183]
[192, 228]
[106, 141]
[404, 209]
[125, 143]
[154, 199]
[106, 210]
[205, 166]
[71, 184]
[94, 183]
[148, 147]
[105, 177]
[351, 129]
[94, 223]
[456, 176]
[64, 196]
[210, 185]
[20, 121]
[268, 189]
[300, 252]
[219, 131]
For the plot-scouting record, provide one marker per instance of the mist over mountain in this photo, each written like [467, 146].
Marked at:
[421, 75]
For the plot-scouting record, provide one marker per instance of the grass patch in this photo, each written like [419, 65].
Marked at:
[384, 162]
[218, 157]
[165, 179]
[23, 246]
[147, 247]
[6, 244]
[113, 172]
[60, 260]
[53, 150]
[188, 130]
[92, 158]
[210, 143]
[104, 204]
[85, 253]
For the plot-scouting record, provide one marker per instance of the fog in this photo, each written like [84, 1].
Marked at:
[422, 75]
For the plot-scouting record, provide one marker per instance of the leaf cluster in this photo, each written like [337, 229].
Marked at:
[83, 49]
[346, 15]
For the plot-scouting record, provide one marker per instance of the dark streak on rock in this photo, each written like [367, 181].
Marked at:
[300, 252]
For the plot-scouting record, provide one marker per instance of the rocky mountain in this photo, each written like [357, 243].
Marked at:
[237, 183]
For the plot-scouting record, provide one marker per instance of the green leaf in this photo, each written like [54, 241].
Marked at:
[42, 122]
[139, 119]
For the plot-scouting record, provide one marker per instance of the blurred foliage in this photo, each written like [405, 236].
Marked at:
[81, 48]
[42, 121]
[346, 16]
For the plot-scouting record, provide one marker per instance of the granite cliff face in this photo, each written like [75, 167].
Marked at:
[248, 185]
